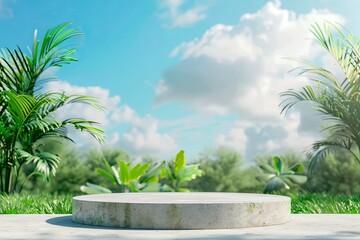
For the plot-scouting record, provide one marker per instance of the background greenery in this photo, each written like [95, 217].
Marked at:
[225, 170]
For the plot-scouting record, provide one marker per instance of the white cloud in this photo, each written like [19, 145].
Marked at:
[219, 43]
[235, 139]
[182, 18]
[253, 139]
[143, 136]
[241, 69]
[5, 12]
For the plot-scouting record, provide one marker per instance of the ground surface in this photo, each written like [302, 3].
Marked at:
[302, 226]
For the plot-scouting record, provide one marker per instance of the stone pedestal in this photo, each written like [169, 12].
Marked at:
[181, 210]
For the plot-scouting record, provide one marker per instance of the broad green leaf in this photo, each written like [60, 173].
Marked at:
[278, 166]
[94, 189]
[189, 173]
[109, 176]
[299, 179]
[138, 170]
[297, 167]
[124, 172]
[265, 177]
[288, 172]
[153, 179]
[276, 184]
[166, 173]
[153, 173]
[267, 168]
[180, 161]
[115, 173]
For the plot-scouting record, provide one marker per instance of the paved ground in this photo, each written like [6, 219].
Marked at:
[330, 227]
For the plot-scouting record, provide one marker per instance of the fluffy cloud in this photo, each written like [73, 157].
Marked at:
[241, 69]
[182, 18]
[141, 138]
[235, 139]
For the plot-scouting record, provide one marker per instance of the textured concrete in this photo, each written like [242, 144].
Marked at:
[56, 227]
[181, 210]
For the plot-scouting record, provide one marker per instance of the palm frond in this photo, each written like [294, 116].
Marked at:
[45, 162]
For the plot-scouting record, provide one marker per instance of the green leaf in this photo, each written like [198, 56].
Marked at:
[299, 179]
[265, 177]
[276, 184]
[267, 168]
[152, 175]
[115, 173]
[166, 173]
[189, 173]
[278, 166]
[124, 172]
[94, 189]
[180, 161]
[138, 170]
[103, 173]
[297, 167]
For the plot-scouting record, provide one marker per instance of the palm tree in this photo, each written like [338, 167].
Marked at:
[27, 114]
[337, 100]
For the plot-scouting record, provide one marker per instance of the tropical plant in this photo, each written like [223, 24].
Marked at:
[336, 99]
[143, 177]
[27, 114]
[178, 173]
[278, 177]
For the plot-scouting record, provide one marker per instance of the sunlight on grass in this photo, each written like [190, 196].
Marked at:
[35, 204]
[323, 203]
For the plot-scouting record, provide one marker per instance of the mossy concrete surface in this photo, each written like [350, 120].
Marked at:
[181, 210]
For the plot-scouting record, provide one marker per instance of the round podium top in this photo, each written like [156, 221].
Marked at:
[182, 198]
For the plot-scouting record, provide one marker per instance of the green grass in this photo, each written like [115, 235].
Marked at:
[324, 203]
[35, 204]
[61, 204]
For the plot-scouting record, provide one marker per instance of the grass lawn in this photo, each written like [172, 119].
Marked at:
[35, 204]
[61, 204]
[323, 203]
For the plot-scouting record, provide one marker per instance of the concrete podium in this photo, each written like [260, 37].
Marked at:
[181, 210]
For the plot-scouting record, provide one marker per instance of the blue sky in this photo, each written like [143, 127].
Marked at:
[177, 74]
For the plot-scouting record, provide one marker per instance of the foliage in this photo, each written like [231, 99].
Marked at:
[325, 204]
[95, 159]
[278, 176]
[336, 99]
[178, 173]
[27, 114]
[71, 172]
[35, 204]
[128, 178]
[225, 172]
[337, 173]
